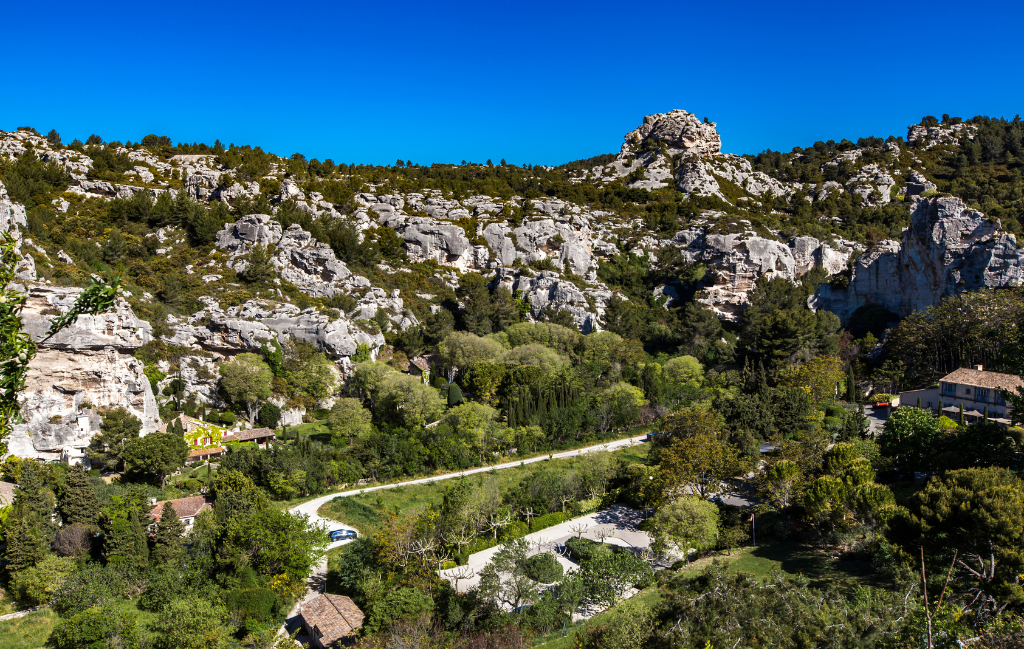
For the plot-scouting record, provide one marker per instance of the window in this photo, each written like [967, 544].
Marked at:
[982, 394]
[949, 388]
[1000, 399]
[967, 390]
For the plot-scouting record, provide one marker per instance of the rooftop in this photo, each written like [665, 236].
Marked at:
[336, 616]
[183, 507]
[246, 435]
[983, 379]
[200, 452]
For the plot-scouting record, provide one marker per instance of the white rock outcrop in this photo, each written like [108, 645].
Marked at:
[947, 249]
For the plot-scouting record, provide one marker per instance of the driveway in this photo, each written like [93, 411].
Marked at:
[617, 525]
[876, 418]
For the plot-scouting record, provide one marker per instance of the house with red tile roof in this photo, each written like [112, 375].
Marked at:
[186, 508]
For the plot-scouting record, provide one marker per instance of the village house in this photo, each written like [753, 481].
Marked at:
[261, 436]
[420, 367]
[330, 619]
[207, 440]
[186, 508]
[974, 388]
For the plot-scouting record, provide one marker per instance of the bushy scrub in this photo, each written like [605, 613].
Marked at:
[544, 568]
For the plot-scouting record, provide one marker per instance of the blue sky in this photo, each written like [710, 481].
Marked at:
[534, 82]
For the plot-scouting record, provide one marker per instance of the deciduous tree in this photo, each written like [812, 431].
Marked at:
[246, 379]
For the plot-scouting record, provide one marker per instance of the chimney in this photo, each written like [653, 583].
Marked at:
[980, 368]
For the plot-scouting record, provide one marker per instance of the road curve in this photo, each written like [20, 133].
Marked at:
[310, 507]
[318, 579]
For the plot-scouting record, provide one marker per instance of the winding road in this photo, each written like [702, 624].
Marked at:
[318, 579]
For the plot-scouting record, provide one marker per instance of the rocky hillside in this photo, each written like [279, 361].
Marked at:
[226, 250]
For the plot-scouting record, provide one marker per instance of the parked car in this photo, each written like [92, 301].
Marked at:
[343, 535]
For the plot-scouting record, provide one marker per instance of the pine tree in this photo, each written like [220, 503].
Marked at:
[117, 428]
[168, 541]
[78, 502]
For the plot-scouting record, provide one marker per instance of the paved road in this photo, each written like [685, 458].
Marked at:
[318, 579]
[876, 419]
[310, 507]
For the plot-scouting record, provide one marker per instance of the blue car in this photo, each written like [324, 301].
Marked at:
[343, 535]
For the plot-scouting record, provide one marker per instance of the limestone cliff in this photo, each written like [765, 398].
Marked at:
[947, 249]
[87, 366]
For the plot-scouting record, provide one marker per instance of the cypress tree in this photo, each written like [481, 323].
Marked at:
[34, 502]
[26, 546]
[124, 541]
[961, 422]
[851, 386]
[77, 502]
[986, 414]
[167, 540]
[33, 498]
[919, 403]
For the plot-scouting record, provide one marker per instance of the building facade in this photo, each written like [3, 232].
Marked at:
[975, 389]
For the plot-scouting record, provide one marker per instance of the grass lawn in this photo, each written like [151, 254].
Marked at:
[29, 632]
[317, 431]
[795, 559]
[365, 511]
[763, 560]
[201, 472]
[554, 640]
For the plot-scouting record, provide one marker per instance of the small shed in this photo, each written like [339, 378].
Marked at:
[420, 367]
[330, 619]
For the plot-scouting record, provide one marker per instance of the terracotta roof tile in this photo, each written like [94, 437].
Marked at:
[199, 452]
[190, 506]
[246, 435]
[335, 616]
[983, 379]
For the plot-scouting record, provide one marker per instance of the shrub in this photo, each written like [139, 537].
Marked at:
[268, 415]
[547, 520]
[543, 567]
[582, 549]
[253, 603]
[516, 530]
[228, 418]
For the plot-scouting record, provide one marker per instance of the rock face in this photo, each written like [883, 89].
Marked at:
[90, 362]
[947, 249]
[548, 290]
[736, 261]
[247, 327]
[681, 131]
